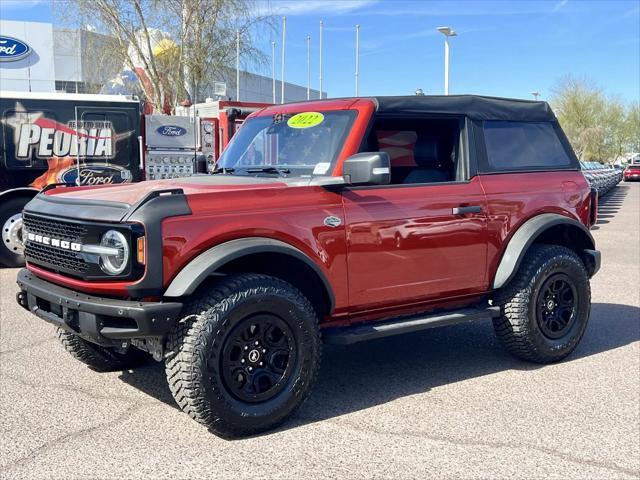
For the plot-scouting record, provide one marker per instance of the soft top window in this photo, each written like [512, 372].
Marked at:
[523, 145]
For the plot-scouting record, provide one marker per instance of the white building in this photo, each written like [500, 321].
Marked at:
[61, 60]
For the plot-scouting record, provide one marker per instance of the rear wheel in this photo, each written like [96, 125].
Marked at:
[101, 358]
[12, 248]
[245, 355]
[545, 308]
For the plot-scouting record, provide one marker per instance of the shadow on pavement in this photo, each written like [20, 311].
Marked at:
[373, 373]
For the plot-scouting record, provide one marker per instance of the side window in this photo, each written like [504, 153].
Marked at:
[421, 150]
[522, 145]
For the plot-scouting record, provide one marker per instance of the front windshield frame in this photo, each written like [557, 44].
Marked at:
[240, 144]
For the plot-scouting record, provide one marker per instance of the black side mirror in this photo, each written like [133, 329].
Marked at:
[370, 168]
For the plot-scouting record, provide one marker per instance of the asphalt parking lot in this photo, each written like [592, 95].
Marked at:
[445, 403]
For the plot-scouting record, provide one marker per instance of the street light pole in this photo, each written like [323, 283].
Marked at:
[308, 67]
[357, 57]
[535, 94]
[284, 34]
[447, 32]
[273, 70]
[237, 65]
[321, 28]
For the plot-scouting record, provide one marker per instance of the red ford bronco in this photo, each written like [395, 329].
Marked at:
[336, 221]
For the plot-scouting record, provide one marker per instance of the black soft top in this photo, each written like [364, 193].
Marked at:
[473, 106]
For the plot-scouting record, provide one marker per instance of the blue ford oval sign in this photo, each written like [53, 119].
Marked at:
[171, 130]
[96, 174]
[12, 49]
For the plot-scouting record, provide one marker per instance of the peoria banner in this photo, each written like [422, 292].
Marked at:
[96, 150]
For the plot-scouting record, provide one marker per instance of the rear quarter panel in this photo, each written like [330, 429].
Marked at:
[514, 198]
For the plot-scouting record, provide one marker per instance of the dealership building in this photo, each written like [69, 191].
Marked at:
[63, 60]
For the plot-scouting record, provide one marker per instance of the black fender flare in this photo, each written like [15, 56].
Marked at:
[524, 236]
[208, 262]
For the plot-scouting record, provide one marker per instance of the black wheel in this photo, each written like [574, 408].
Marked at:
[545, 308]
[12, 248]
[245, 355]
[101, 358]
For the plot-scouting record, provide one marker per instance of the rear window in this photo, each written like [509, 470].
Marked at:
[523, 145]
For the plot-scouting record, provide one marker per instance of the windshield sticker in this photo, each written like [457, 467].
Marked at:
[305, 120]
[321, 168]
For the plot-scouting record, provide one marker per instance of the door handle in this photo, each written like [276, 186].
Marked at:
[466, 210]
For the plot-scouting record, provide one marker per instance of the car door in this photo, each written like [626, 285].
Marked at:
[414, 243]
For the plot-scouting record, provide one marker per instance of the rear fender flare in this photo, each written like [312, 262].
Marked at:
[525, 236]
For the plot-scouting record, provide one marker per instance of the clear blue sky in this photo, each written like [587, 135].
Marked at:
[504, 48]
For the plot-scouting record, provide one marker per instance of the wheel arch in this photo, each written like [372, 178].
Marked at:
[257, 255]
[549, 228]
[25, 192]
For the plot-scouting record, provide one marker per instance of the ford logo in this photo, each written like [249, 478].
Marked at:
[171, 131]
[95, 174]
[12, 49]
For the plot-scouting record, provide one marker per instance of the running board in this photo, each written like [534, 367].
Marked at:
[397, 326]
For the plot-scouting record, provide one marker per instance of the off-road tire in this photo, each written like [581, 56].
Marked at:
[8, 208]
[195, 347]
[518, 328]
[100, 358]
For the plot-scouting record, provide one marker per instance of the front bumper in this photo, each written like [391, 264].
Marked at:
[103, 321]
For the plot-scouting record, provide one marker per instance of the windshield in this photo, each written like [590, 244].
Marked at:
[306, 143]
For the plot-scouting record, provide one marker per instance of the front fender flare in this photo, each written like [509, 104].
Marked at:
[524, 237]
[208, 262]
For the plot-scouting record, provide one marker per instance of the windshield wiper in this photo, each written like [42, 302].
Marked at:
[269, 169]
[222, 170]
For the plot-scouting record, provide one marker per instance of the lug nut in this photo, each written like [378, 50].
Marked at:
[251, 369]
[242, 360]
[257, 343]
[264, 350]
[246, 347]
[261, 364]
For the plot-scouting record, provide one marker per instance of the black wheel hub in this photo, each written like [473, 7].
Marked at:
[556, 308]
[257, 358]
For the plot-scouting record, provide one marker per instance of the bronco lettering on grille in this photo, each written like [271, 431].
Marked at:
[54, 242]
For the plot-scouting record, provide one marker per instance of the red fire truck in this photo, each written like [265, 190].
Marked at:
[83, 139]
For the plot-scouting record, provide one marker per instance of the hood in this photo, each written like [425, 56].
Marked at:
[131, 193]
[123, 202]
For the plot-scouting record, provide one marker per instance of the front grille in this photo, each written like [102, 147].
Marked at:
[55, 258]
[73, 232]
[70, 262]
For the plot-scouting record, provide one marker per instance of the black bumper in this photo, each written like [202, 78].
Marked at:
[104, 321]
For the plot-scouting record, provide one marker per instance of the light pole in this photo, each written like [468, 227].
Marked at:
[447, 32]
[237, 65]
[308, 67]
[357, 57]
[284, 36]
[535, 94]
[321, 28]
[273, 70]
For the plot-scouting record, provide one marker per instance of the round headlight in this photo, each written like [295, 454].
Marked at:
[115, 261]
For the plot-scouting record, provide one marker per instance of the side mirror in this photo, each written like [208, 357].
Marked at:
[370, 168]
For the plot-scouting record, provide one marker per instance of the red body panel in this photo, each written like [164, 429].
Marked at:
[514, 198]
[406, 246]
[293, 215]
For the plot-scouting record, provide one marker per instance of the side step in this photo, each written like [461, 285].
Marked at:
[397, 326]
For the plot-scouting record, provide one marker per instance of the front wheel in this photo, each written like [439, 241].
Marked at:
[245, 355]
[545, 308]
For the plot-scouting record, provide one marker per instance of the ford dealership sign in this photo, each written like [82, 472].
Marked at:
[12, 49]
[171, 131]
